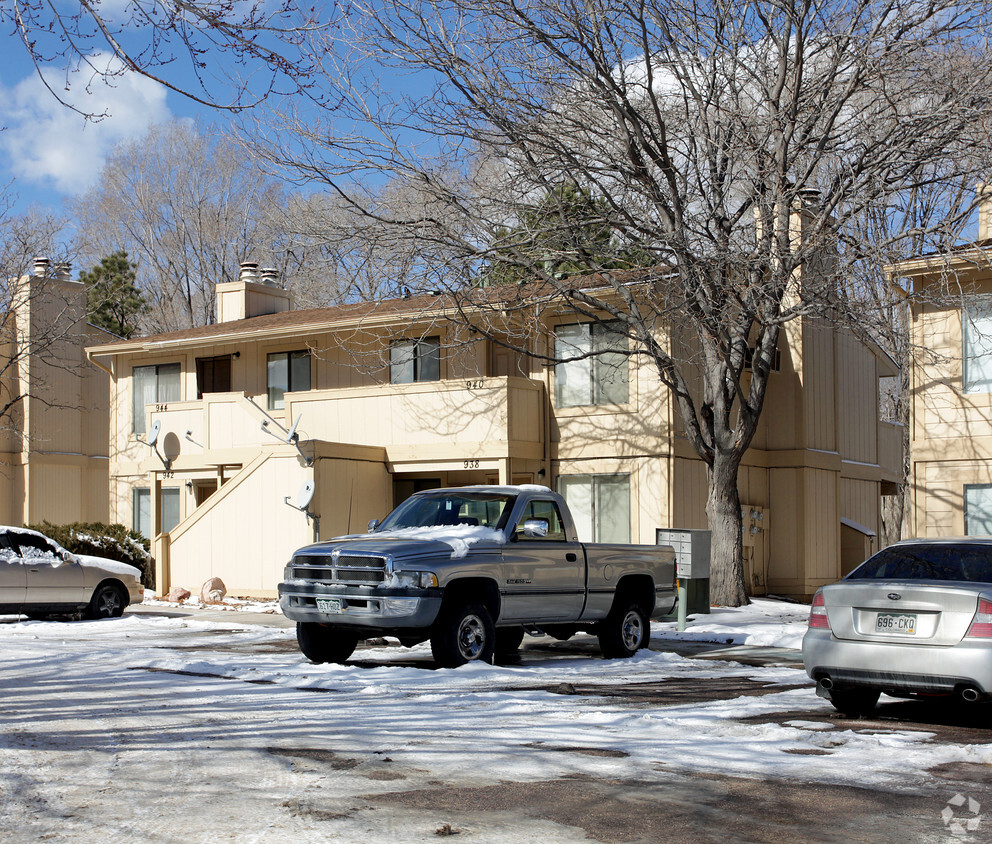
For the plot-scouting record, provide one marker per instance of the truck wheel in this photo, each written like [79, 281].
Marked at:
[624, 631]
[324, 644]
[508, 640]
[463, 634]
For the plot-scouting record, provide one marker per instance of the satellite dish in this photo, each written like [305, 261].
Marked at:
[154, 432]
[292, 431]
[305, 495]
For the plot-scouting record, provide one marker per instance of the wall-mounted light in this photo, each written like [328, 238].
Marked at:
[189, 486]
[541, 473]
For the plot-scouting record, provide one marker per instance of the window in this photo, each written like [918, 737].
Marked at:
[600, 378]
[152, 385]
[141, 510]
[548, 511]
[213, 375]
[928, 561]
[288, 372]
[977, 331]
[600, 505]
[978, 509]
[415, 360]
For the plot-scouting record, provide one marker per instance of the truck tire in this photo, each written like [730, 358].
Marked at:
[324, 644]
[508, 640]
[464, 633]
[625, 630]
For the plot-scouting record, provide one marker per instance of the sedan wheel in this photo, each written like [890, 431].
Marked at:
[854, 702]
[107, 602]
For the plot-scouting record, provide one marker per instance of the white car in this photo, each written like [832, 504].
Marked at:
[38, 577]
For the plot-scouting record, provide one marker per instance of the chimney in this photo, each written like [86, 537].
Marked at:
[252, 295]
[63, 271]
[984, 211]
[41, 266]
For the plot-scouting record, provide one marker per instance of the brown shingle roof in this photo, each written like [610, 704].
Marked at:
[421, 305]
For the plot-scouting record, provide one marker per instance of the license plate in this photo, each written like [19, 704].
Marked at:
[896, 623]
[329, 604]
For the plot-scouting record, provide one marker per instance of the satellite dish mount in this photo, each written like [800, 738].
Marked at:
[291, 437]
[152, 441]
[303, 498]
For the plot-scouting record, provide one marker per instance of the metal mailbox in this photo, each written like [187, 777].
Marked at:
[692, 551]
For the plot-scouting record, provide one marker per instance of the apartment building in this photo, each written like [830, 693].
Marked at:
[232, 444]
[53, 432]
[951, 387]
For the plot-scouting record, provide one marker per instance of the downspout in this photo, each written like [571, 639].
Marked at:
[547, 415]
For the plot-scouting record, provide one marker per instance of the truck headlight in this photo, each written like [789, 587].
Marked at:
[414, 580]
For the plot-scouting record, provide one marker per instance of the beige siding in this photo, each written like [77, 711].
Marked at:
[249, 561]
[857, 402]
[820, 382]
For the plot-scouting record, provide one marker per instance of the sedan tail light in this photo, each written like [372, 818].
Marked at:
[981, 624]
[818, 613]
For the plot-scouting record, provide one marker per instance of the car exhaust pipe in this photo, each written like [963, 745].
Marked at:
[823, 687]
[969, 694]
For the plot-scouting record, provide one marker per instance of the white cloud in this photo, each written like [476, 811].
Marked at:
[46, 143]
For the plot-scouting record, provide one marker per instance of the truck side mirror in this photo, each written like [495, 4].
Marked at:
[373, 524]
[536, 528]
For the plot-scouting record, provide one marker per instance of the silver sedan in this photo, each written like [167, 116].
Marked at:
[915, 620]
[38, 577]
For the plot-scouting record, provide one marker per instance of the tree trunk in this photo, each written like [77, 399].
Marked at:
[723, 511]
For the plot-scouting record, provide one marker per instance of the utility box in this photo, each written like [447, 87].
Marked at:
[692, 564]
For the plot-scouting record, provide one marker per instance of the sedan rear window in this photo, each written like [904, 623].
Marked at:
[945, 561]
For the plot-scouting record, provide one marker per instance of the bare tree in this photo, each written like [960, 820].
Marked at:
[225, 55]
[188, 206]
[736, 144]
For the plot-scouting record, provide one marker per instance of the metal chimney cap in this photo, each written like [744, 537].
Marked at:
[249, 271]
[270, 276]
[41, 266]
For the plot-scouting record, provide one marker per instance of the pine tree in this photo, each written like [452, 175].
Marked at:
[114, 301]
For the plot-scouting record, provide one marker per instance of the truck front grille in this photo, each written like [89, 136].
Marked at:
[344, 569]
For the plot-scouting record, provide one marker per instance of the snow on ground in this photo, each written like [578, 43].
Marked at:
[764, 623]
[445, 721]
[162, 728]
[229, 604]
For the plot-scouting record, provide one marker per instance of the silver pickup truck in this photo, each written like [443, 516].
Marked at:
[472, 569]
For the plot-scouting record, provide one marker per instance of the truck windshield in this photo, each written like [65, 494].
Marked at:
[432, 509]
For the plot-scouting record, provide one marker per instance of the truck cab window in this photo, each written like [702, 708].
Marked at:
[547, 511]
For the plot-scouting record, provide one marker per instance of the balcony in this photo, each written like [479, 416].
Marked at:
[485, 418]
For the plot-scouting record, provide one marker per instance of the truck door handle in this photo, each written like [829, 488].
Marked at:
[570, 557]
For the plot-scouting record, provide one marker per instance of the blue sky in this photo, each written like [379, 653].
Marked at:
[47, 151]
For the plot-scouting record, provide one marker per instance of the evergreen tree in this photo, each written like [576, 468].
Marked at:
[113, 300]
[568, 232]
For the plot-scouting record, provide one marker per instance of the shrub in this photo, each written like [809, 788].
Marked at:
[114, 542]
